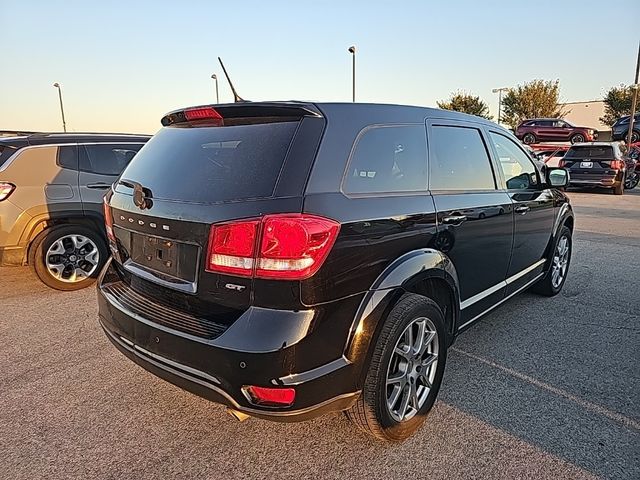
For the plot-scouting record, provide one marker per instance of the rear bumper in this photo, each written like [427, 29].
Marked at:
[595, 180]
[218, 369]
[12, 256]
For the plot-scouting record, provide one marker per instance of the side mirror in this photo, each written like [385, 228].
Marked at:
[557, 177]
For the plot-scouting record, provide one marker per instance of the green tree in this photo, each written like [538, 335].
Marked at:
[617, 102]
[535, 99]
[466, 103]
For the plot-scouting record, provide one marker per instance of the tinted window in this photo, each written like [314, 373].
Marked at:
[519, 171]
[213, 164]
[68, 157]
[5, 153]
[460, 160]
[597, 152]
[107, 159]
[388, 159]
[545, 123]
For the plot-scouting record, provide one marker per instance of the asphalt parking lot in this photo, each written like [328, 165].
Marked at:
[540, 388]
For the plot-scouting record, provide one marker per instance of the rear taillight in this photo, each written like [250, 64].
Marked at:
[616, 164]
[275, 397]
[6, 189]
[232, 247]
[287, 246]
[108, 220]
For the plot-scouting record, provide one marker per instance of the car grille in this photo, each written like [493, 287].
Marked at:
[132, 301]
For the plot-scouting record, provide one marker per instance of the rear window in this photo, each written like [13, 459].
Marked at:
[212, 164]
[602, 152]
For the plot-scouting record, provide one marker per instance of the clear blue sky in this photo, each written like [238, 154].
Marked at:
[122, 65]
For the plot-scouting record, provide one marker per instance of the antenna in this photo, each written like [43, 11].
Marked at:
[236, 98]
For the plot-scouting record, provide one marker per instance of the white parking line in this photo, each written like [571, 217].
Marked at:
[593, 407]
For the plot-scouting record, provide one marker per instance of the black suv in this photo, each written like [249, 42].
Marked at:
[291, 259]
[51, 189]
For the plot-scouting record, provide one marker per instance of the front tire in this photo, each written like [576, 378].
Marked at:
[68, 257]
[405, 372]
[551, 284]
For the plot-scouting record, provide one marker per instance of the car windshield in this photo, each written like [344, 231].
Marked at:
[603, 152]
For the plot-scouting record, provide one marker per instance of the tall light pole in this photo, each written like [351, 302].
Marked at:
[64, 124]
[634, 102]
[215, 78]
[499, 92]
[352, 51]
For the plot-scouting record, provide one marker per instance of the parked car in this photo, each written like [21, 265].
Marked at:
[597, 164]
[620, 129]
[550, 155]
[292, 259]
[553, 130]
[51, 189]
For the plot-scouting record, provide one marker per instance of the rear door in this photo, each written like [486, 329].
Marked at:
[547, 132]
[533, 207]
[100, 164]
[475, 217]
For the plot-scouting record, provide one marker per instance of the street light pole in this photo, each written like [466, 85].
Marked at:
[215, 77]
[499, 92]
[352, 51]
[634, 102]
[64, 124]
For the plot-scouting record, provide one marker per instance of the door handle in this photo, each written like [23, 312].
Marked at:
[522, 209]
[454, 219]
[99, 185]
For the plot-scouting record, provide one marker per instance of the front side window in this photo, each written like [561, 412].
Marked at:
[388, 159]
[519, 171]
[107, 159]
[459, 160]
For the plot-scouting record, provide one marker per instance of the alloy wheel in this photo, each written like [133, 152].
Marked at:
[560, 262]
[72, 258]
[412, 369]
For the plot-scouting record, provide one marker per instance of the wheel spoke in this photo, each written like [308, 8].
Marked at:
[427, 362]
[414, 397]
[429, 336]
[395, 395]
[404, 404]
[57, 248]
[398, 378]
[92, 257]
[402, 352]
[419, 340]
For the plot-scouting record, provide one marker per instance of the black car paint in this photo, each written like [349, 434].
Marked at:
[317, 334]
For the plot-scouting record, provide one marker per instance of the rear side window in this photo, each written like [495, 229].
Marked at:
[596, 152]
[213, 164]
[68, 157]
[388, 159]
[107, 159]
[459, 160]
[5, 153]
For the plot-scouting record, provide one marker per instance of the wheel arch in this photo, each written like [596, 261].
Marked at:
[43, 222]
[424, 272]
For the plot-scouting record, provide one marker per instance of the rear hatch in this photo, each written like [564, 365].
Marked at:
[592, 160]
[240, 162]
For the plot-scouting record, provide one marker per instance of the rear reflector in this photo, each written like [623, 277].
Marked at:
[277, 397]
[108, 220]
[6, 189]
[203, 113]
[291, 246]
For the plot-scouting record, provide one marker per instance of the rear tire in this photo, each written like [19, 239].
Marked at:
[68, 257]
[395, 398]
[529, 138]
[551, 284]
[577, 138]
[619, 189]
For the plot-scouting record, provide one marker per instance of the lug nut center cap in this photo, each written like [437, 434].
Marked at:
[72, 258]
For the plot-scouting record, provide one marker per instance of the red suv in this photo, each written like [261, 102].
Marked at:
[553, 130]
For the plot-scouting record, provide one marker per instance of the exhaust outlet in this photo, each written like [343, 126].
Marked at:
[241, 417]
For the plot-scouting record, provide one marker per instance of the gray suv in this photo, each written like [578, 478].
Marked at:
[51, 189]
